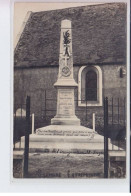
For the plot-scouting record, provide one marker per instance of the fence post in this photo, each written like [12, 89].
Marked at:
[106, 137]
[125, 113]
[112, 111]
[93, 121]
[27, 132]
[45, 104]
[86, 110]
[118, 113]
[14, 136]
[32, 123]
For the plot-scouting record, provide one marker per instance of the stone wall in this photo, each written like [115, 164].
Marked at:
[34, 82]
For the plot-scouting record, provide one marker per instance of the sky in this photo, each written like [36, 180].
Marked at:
[21, 10]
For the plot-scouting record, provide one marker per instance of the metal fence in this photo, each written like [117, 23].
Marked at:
[19, 121]
[22, 128]
[116, 114]
[114, 126]
[116, 118]
[117, 135]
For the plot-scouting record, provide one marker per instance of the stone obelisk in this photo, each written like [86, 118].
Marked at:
[65, 84]
[65, 127]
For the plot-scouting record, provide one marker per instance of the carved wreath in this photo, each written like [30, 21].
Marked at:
[67, 39]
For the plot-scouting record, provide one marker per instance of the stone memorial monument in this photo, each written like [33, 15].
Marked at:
[65, 84]
[65, 132]
[65, 119]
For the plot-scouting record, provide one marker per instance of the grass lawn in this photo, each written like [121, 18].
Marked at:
[59, 165]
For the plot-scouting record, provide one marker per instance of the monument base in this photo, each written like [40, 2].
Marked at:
[66, 144]
[65, 121]
[78, 141]
[64, 130]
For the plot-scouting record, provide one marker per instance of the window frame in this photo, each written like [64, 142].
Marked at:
[98, 71]
[87, 87]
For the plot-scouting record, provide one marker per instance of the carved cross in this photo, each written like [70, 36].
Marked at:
[66, 58]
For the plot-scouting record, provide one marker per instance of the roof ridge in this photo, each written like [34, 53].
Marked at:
[99, 4]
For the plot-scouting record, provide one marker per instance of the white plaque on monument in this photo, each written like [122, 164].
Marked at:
[66, 102]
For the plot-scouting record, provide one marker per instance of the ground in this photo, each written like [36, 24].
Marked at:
[59, 165]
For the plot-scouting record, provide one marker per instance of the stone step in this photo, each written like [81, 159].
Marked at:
[64, 130]
[51, 147]
[65, 133]
[91, 138]
[74, 144]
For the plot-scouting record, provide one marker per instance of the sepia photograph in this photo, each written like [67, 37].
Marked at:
[69, 90]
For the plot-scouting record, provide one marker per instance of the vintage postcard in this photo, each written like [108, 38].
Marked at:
[70, 90]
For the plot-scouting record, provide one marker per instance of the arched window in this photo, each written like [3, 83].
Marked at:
[90, 86]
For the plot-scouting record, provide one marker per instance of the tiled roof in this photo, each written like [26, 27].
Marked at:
[99, 35]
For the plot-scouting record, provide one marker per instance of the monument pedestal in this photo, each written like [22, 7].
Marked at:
[87, 142]
[65, 103]
[65, 121]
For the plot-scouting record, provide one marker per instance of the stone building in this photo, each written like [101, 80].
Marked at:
[99, 60]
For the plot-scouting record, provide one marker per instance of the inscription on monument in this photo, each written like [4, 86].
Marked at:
[66, 104]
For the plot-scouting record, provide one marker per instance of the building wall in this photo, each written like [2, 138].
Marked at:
[98, 38]
[34, 82]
